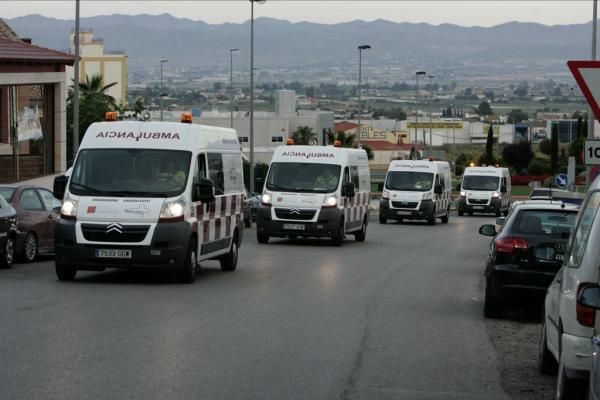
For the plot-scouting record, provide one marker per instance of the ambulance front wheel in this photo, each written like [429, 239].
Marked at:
[460, 212]
[361, 235]
[64, 272]
[229, 260]
[187, 274]
[382, 219]
[262, 238]
[446, 217]
[431, 219]
[338, 238]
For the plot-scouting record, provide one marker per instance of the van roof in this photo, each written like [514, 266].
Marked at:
[494, 171]
[419, 165]
[320, 155]
[158, 135]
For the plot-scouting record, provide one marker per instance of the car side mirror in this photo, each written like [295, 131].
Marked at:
[348, 189]
[59, 187]
[503, 189]
[590, 297]
[438, 189]
[259, 183]
[487, 230]
[204, 191]
[500, 221]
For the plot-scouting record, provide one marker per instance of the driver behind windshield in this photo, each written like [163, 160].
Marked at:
[169, 172]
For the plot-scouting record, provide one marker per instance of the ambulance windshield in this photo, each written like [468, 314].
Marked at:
[303, 177]
[130, 172]
[409, 181]
[478, 182]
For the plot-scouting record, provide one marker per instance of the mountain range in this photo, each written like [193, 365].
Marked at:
[285, 44]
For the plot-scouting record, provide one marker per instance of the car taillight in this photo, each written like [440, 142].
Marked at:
[510, 244]
[586, 316]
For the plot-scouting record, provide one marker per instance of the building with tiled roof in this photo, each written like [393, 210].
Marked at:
[32, 108]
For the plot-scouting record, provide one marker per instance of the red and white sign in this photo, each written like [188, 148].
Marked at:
[587, 75]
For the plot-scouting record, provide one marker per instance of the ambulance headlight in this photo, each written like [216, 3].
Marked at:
[463, 193]
[385, 195]
[69, 208]
[172, 211]
[330, 201]
[495, 194]
[427, 196]
[266, 199]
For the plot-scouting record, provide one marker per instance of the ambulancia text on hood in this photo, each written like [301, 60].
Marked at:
[307, 155]
[138, 136]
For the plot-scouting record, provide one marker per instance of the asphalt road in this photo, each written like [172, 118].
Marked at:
[396, 317]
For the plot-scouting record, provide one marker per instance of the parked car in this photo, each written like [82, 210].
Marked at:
[8, 233]
[590, 297]
[568, 325]
[525, 254]
[553, 194]
[38, 211]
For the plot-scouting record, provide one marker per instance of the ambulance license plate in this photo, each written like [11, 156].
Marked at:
[477, 207]
[403, 213]
[294, 227]
[113, 253]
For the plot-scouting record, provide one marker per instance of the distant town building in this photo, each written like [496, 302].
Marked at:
[95, 60]
[32, 108]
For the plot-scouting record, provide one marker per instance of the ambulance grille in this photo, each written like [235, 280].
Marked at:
[478, 201]
[123, 234]
[405, 204]
[295, 214]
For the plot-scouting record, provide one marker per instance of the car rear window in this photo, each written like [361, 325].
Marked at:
[544, 222]
[7, 193]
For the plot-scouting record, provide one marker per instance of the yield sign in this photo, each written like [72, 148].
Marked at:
[587, 75]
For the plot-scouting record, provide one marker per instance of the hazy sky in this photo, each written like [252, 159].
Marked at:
[468, 13]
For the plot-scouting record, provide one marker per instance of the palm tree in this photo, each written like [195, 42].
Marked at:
[304, 135]
[347, 140]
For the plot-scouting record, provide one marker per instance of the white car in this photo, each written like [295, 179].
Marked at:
[568, 326]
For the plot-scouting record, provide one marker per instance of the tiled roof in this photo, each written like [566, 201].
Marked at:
[17, 51]
[6, 31]
[344, 126]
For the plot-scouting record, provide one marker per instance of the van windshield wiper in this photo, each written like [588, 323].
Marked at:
[273, 186]
[123, 193]
[88, 188]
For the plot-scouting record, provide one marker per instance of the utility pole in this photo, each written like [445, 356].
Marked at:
[360, 49]
[161, 87]
[430, 114]
[591, 116]
[418, 73]
[76, 84]
[231, 51]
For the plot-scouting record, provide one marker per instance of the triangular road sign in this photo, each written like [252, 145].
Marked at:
[587, 75]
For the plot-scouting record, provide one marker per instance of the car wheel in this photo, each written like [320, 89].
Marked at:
[338, 238]
[187, 274]
[262, 238]
[30, 247]
[491, 306]
[446, 217]
[382, 219]
[470, 213]
[361, 235]
[546, 363]
[8, 256]
[569, 388]
[229, 260]
[64, 272]
[431, 219]
[460, 212]
[498, 213]
[248, 222]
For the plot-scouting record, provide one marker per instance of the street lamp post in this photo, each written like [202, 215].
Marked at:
[251, 183]
[430, 114]
[76, 84]
[360, 49]
[418, 73]
[161, 87]
[591, 117]
[231, 51]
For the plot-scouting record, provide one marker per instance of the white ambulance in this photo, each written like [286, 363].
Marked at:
[315, 191]
[416, 190]
[484, 190]
[151, 194]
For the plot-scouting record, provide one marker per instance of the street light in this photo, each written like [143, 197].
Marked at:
[430, 112]
[231, 51]
[418, 73]
[76, 84]
[161, 87]
[360, 49]
[251, 183]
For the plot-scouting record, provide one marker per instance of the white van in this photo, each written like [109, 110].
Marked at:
[315, 191]
[151, 194]
[416, 189]
[484, 190]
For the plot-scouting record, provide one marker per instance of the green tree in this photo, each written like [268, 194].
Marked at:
[348, 141]
[489, 147]
[304, 135]
[484, 108]
[554, 149]
[94, 103]
[518, 155]
[516, 116]
[546, 147]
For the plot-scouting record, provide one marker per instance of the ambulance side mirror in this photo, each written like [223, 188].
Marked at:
[258, 185]
[204, 191]
[438, 189]
[348, 189]
[503, 189]
[59, 187]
